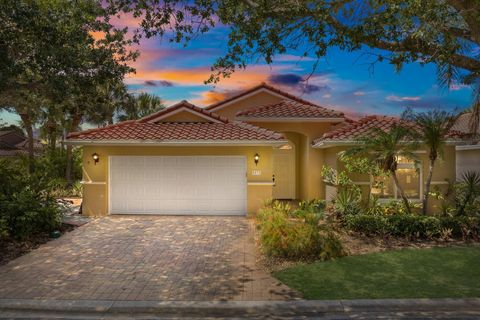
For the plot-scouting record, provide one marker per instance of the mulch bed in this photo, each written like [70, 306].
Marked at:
[11, 249]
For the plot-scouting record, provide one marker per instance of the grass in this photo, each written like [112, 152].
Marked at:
[410, 273]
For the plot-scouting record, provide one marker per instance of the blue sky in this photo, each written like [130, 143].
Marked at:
[344, 81]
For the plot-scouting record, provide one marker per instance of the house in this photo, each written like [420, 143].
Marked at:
[13, 143]
[225, 159]
[468, 155]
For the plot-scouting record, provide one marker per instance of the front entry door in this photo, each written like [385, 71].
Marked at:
[284, 171]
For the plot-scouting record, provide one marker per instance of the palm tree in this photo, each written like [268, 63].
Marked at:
[141, 106]
[384, 147]
[433, 130]
[111, 99]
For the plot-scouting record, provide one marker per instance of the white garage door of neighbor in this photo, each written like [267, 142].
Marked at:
[188, 185]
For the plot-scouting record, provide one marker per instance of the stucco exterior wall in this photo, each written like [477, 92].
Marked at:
[95, 176]
[310, 161]
[467, 160]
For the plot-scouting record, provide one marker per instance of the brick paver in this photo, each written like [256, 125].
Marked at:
[145, 258]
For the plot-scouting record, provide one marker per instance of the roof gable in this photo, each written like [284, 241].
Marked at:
[183, 112]
[263, 87]
[11, 137]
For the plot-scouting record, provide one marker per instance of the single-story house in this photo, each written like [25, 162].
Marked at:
[227, 158]
[468, 155]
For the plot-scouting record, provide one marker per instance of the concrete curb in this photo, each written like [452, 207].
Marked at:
[240, 308]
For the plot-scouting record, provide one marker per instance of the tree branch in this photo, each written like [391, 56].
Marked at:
[457, 60]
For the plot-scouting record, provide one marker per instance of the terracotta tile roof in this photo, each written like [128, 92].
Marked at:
[183, 104]
[263, 85]
[146, 130]
[289, 109]
[463, 123]
[184, 131]
[357, 129]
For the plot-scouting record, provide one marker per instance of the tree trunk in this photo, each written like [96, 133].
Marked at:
[427, 187]
[402, 194]
[52, 136]
[76, 119]
[27, 123]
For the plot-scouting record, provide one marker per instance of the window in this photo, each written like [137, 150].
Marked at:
[409, 178]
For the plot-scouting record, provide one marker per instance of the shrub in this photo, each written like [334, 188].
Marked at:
[53, 163]
[467, 194]
[294, 235]
[61, 189]
[315, 205]
[413, 226]
[367, 224]
[347, 202]
[26, 206]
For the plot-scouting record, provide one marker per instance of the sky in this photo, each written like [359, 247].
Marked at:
[346, 81]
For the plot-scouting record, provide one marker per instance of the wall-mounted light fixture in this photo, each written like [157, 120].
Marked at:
[256, 158]
[95, 158]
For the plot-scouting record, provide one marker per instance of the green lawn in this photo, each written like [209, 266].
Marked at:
[409, 273]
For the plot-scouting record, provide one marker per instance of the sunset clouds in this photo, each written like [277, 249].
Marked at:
[341, 80]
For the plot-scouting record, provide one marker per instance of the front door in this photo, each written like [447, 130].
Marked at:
[284, 171]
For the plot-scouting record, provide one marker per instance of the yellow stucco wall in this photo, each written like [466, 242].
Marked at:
[310, 161]
[95, 176]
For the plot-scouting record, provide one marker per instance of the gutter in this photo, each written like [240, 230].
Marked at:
[329, 144]
[183, 143]
[468, 147]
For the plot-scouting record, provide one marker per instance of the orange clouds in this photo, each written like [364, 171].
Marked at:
[210, 97]
[197, 76]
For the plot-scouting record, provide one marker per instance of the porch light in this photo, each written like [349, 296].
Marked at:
[256, 158]
[95, 158]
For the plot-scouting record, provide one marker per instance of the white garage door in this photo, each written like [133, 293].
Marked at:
[196, 185]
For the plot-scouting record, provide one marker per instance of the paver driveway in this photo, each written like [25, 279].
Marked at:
[145, 258]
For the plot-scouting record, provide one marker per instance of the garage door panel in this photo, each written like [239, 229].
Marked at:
[204, 161]
[169, 162]
[209, 185]
[186, 162]
[135, 206]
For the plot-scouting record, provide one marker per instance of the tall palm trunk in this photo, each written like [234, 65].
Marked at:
[399, 188]
[76, 119]
[27, 123]
[427, 186]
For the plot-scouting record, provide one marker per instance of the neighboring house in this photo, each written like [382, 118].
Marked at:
[468, 155]
[226, 159]
[13, 143]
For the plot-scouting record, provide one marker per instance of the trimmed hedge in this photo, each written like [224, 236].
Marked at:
[415, 226]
